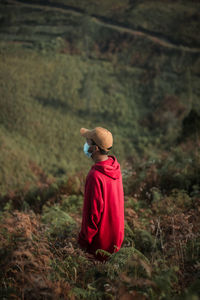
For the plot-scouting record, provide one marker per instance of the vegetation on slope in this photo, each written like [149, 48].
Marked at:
[159, 259]
[61, 71]
[176, 21]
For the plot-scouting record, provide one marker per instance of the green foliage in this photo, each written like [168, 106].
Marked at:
[72, 203]
[131, 202]
[89, 293]
[192, 292]
[59, 223]
[144, 241]
[164, 281]
[129, 235]
[103, 253]
[136, 273]
[181, 199]
[125, 254]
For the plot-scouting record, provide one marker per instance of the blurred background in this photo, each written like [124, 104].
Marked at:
[130, 66]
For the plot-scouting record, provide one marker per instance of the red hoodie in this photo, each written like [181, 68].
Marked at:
[103, 210]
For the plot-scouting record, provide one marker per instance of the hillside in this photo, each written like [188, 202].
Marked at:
[133, 67]
[71, 70]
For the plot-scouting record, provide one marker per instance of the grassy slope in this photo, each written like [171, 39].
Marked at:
[69, 71]
[177, 20]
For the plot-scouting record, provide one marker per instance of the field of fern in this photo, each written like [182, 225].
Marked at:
[132, 67]
[159, 258]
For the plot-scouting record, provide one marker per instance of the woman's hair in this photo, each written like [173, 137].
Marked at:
[102, 151]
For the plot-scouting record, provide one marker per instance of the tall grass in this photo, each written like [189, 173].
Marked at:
[47, 97]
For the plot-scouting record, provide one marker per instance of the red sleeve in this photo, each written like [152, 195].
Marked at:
[92, 210]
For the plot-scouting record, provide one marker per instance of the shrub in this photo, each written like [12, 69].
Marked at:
[59, 223]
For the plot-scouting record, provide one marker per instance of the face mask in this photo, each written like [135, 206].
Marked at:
[85, 149]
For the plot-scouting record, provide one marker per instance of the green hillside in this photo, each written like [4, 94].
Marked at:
[62, 69]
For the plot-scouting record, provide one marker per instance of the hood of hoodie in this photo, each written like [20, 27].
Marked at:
[109, 167]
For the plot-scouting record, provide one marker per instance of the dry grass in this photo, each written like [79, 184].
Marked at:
[26, 259]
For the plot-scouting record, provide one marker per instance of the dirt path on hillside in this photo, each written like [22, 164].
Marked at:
[162, 41]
